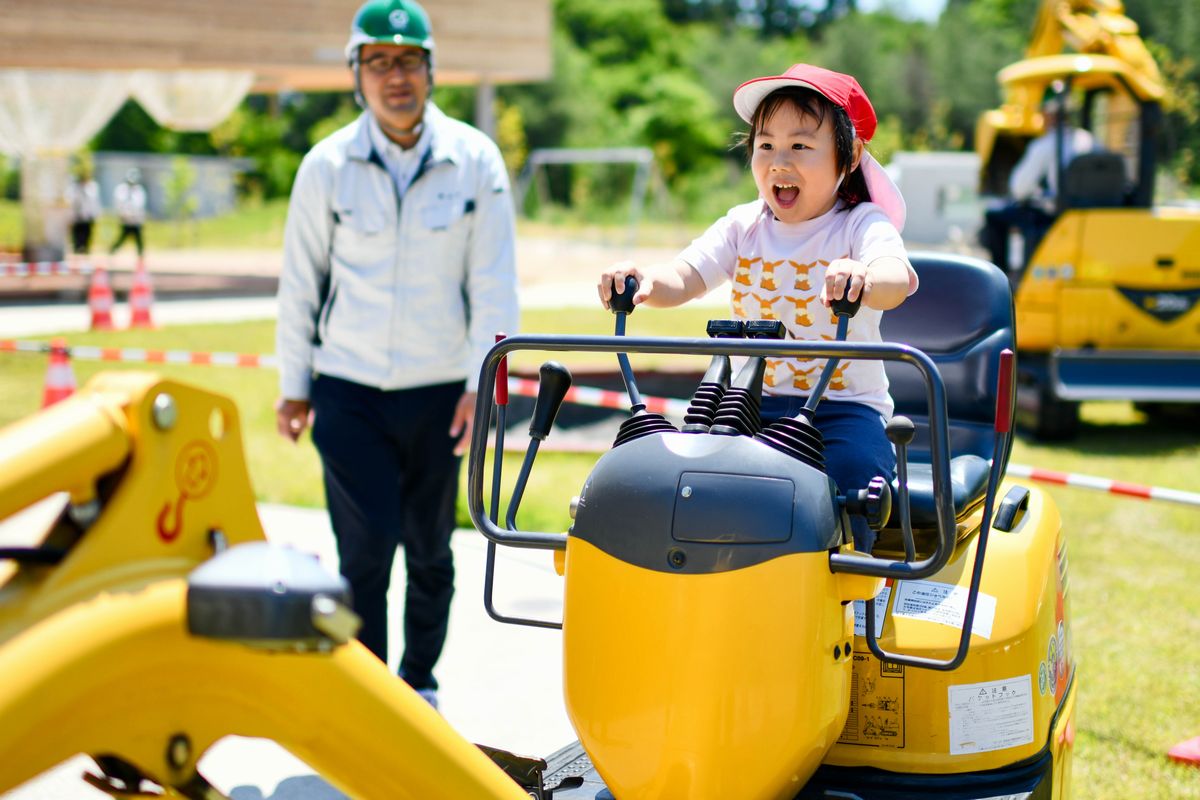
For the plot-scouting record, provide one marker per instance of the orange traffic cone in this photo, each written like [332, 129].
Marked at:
[100, 301]
[141, 299]
[1186, 752]
[60, 378]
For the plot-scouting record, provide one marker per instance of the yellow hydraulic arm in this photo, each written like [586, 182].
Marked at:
[102, 650]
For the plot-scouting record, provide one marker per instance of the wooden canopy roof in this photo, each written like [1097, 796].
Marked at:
[293, 45]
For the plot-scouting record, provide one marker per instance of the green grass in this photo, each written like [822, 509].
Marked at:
[259, 226]
[1135, 564]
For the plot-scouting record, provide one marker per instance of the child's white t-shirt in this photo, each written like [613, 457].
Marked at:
[778, 270]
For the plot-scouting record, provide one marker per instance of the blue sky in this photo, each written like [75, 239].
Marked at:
[912, 9]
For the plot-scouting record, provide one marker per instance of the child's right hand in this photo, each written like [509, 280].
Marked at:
[615, 276]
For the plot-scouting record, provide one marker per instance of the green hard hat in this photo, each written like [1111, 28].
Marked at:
[390, 22]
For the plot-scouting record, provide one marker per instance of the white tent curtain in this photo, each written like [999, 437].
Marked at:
[190, 100]
[56, 110]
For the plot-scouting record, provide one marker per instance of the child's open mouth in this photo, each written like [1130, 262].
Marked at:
[786, 194]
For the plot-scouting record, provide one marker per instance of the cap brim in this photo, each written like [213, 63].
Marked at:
[747, 97]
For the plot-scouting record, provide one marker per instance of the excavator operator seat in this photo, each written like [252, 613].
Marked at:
[961, 317]
[1095, 180]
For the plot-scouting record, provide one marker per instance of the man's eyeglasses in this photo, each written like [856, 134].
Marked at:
[407, 62]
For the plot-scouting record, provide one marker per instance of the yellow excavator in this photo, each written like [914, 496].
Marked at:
[1106, 301]
[722, 638]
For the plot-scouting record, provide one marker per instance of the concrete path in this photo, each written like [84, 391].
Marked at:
[501, 684]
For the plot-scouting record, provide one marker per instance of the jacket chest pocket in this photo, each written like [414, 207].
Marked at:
[364, 217]
[443, 223]
[442, 212]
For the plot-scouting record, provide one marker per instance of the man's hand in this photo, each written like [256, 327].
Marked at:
[292, 417]
[464, 418]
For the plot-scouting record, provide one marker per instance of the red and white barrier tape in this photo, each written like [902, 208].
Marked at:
[603, 398]
[583, 395]
[141, 355]
[25, 269]
[1103, 484]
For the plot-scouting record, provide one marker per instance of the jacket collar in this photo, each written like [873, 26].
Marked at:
[362, 149]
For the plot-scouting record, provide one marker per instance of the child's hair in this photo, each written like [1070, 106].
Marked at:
[814, 104]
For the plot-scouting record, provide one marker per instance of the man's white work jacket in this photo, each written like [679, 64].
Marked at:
[395, 293]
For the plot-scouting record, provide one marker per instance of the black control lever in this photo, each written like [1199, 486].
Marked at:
[622, 306]
[844, 309]
[543, 420]
[554, 381]
[900, 432]
[552, 388]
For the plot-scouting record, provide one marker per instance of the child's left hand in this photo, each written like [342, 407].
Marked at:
[882, 284]
[848, 277]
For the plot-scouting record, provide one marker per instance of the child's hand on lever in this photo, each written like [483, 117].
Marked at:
[615, 276]
[660, 285]
[882, 284]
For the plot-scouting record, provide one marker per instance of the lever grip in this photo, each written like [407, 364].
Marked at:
[1004, 393]
[845, 308]
[623, 303]
[555, 380]
[502, 377]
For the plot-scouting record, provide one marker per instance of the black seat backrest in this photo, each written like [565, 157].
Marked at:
[961, 317]
[1094, 180]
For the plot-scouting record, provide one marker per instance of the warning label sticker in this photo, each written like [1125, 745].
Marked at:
[991, 716]
[944, 604]
[876, 716]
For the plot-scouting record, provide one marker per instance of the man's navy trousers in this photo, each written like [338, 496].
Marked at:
[391, 480]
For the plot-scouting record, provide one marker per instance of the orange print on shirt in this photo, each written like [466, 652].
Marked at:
[838, 381]
[803, 318]
[742, 273]
[735, 299]
[774, 367]
[804, 379]
[767, 280]
[765, 304]
[802, 284]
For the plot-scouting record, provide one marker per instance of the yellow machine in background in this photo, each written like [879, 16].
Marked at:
[716, 642]
[1107, 301]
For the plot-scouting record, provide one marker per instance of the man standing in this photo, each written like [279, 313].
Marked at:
[83, 195]
[130, 200]
[398, 271]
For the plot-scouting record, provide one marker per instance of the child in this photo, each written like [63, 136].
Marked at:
[826, 225]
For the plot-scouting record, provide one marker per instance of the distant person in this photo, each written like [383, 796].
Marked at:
[130, 200]
[83, 195]
[1033, 184]
[825, 226]
[398, 270]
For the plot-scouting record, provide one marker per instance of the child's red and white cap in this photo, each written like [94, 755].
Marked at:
[841, 90]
